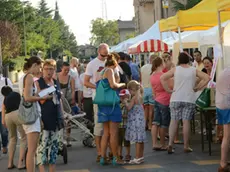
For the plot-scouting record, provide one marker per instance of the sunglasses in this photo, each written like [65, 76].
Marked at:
[103, 55]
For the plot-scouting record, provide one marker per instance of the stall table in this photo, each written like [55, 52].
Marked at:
[207, 114]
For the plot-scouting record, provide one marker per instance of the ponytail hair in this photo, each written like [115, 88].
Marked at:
[157, 62]
[32, 60]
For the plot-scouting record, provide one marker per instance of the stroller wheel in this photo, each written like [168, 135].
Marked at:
[64, 154]
[84, 142]
[90, 142]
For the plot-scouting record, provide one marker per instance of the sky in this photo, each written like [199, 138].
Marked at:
[79, 13]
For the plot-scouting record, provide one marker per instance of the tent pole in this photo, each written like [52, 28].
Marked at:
[180, 41]
[220, 39]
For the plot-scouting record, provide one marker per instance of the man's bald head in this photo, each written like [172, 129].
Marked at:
[103, 51]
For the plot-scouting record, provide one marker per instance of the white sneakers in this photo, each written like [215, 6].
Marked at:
[137, 161]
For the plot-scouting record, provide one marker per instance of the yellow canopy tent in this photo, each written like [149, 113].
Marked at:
[201, 17]
[223, 5]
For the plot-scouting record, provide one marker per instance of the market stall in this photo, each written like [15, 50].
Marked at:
[191, 20]
[152, 33]
[148, 46]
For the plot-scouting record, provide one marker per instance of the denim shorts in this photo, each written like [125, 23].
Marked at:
[223, 116]
[148, 96]
[161, 115]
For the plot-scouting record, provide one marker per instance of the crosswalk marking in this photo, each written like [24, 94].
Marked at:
[139, 167]
[206, 162]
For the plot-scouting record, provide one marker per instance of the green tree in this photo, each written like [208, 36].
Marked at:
[44, 32]
[131, 35]
[10, 40]
[43, 10]
[36, 42]
[104, 32]
[181, 6]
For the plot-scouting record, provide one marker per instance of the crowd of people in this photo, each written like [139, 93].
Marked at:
[122, 99]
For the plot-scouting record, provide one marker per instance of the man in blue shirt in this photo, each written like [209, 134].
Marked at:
[136, 73]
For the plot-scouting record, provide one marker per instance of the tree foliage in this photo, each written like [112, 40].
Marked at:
[180, 6]
[44, 30]
[103, 31]
[10, 40]
[131, 35]
[43, 10]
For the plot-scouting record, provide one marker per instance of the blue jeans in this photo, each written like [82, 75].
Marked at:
[4, 133]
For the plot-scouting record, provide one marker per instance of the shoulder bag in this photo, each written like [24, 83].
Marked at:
[28, 111]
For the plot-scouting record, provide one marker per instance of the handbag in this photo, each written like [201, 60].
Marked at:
[203, 100]
[28, 111]
[105, 95]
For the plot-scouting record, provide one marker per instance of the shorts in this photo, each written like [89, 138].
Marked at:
[182, 110]
[98, 127]
[33, 128]
[161, 115]
[223, 116]
[109, 113]
[148, 96]
[121, 138]
[88, 108]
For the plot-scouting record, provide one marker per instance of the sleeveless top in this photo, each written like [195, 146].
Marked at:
[49, 109]
[184, 83]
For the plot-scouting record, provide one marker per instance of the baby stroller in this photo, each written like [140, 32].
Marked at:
[75, 118]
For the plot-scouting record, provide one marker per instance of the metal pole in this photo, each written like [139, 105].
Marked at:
[0, 53]
[220, 40]
[180, 41]
[24, 23]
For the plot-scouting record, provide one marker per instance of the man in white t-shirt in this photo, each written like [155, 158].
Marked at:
[92, 75]
[4, 133]
[86, 96]
[74, 62]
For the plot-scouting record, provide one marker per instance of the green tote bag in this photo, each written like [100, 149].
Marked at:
[105, 95]
[203, 100]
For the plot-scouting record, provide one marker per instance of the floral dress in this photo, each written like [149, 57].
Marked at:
[135, 130]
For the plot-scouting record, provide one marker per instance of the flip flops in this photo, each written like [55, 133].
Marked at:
[160, 149]
[178, 142]
[12, 167]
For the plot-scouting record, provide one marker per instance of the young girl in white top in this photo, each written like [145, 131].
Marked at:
[135, 131]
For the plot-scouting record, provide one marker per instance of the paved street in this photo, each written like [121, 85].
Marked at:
[81, 159]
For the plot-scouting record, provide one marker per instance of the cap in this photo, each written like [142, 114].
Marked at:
[124, 92]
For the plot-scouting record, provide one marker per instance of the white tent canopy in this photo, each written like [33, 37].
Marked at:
[152, 33]
[211, 36]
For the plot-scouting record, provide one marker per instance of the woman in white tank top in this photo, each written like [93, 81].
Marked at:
[182, 103]
[32, 66]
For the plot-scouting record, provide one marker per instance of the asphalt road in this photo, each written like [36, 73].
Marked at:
[82, 159]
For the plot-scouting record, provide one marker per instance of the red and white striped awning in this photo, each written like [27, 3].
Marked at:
[148, 46]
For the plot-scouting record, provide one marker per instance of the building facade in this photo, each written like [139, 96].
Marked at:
[147, 12]
[125, 28]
